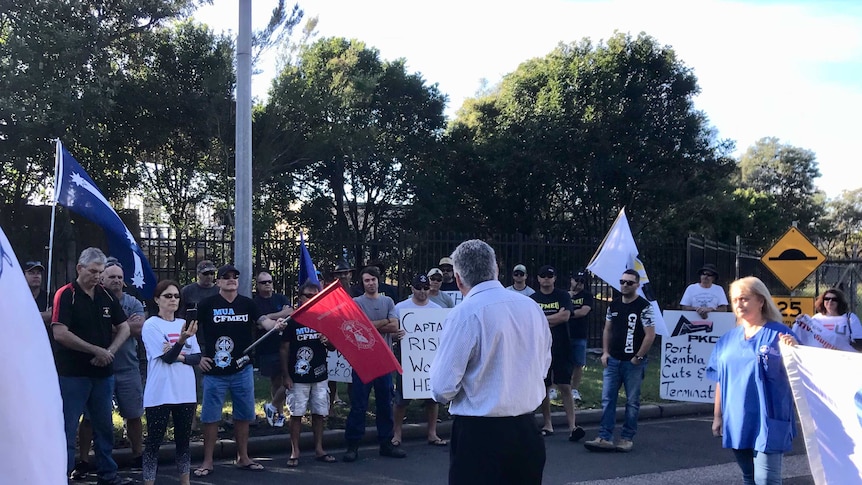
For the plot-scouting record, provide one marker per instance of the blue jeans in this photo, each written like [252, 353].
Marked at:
[96, 395]
[759, 468]
[616, 374]
[354, 428]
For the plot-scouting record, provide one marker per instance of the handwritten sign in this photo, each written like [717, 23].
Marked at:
[685, 354]
[418, 347]
[339, 369]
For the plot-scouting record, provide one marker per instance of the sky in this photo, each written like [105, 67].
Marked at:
[788, 69]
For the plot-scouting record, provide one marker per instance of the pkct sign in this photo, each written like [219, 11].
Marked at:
[793, 258]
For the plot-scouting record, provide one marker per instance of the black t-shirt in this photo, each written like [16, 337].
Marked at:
[227, 329]
[265, 306]
[627, 326]
[90, 319]
[578, 327]
[307, 356]
[42, 300]
[551, 304]
[451, 286]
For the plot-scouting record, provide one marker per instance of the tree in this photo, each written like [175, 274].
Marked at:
[352, 130]
[568, 139]
[844, 223]
[785, 173]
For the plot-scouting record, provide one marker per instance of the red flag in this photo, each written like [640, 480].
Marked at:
[334, 314]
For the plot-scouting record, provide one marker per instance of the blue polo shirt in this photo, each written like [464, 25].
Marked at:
[756, 400]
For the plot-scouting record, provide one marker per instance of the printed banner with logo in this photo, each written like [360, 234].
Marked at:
[827, 390]
[333, 313]
[33, 444]
[685, 354]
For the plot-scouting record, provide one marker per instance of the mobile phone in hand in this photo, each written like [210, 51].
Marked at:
[191, 314]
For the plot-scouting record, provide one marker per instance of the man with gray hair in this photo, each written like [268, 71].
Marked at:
[89, 326]
[494, 352]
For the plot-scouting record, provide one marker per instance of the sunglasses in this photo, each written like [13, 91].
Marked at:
[174, 296]
[309, 295]
[422, 288]
[230, 276]
[436, 278]
[446, 270]
[628, 282]
[518, 273]
[208, 273]
[707, 273]
[265, 282]
[546, 275]
[830, 298]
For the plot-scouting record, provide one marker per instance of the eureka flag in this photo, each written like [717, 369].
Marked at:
[617, 253]
[33, 448]
[75, 190]
[307, 271]
[827, 390]
[333, 313]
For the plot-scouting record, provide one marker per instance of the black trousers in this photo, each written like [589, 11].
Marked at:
[496, 451]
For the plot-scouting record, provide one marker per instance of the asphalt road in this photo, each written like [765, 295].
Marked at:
[667, 451]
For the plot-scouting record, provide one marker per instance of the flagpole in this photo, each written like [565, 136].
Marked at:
[57, 156]
[599, 249]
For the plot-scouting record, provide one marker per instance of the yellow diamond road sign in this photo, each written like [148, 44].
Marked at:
[793, 258]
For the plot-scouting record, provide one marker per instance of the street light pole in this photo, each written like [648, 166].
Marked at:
[242, 208]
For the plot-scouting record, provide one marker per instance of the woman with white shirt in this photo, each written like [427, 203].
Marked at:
[834, 326]
[172, 351]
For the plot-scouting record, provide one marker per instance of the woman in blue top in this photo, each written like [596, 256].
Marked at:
[754, 412]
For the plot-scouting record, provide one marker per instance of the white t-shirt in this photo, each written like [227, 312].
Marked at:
[409, 305]
[527, 291]
[828, 332]
[167, 383]
[698, 296]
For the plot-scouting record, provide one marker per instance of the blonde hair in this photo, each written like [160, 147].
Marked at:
[753, 285]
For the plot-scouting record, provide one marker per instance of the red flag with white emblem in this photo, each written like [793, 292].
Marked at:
[333, 313]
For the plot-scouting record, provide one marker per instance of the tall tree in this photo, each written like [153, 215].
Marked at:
[353, 130]
[568, 139]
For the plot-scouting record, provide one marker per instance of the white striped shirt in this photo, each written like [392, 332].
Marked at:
[493, 354]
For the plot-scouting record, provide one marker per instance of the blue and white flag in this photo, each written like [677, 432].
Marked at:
[33, 448]
[307, 271]
[827, 390]
[75, 190]
[617, 253]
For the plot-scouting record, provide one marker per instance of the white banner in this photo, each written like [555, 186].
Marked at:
[685, 354]
[418, 348]
[33, 444]
[339, 369]
[827, 389]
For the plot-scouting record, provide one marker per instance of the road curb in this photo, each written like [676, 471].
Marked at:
[333, 440]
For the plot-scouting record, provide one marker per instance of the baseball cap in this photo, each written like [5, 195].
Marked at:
[579, 276]
[520, 267]
[420, 281]
[206, 265]
[228, 268]
[341, 267]
[444, 261]
[434, 271]
[33, 265]
[547, 270]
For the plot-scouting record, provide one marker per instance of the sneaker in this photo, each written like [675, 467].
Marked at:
[599, 444]
[577, 434]
[552, 394]
[81, 470]
[576, 395]
[137, 463]
[278, 422]
[270, 412]
[624, 445]
[117, 480]
[388, 449]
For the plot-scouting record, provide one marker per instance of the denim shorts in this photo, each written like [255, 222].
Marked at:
[579, 352]
[241, 387]
[129, 393]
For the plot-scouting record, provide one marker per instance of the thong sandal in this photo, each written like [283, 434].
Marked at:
[203, 472]
[395, 442]
[325, 458]
[547, 432]
[438, 442]
[293, 462]
[252, 467]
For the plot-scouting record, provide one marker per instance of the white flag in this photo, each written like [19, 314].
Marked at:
[33, 444]
[617, 253]
[827, 389]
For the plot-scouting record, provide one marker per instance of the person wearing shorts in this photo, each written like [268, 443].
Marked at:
[274, 306]
[303, 360]
[226, 323]
[582, 304]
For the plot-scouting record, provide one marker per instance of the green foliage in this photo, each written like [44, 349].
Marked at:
[568, 139]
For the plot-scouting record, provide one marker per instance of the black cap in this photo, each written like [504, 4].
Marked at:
[33, 265]
[228, 268]
[709, 267]
[342, 266]
[547, 270]
[579, 275]
[420, 281]
[205, 266]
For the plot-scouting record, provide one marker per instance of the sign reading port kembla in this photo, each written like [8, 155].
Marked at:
[792, 258]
